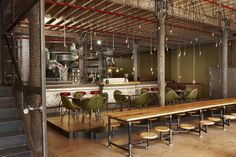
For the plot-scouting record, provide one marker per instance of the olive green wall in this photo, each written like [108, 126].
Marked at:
[145, 62]
[210, 57]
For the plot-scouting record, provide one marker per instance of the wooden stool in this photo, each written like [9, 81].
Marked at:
[233, 114]
[228, 118]
[187, 126]
[163, 129]
[151, 120]
[206, 123]
[148, 136]
[214, 119]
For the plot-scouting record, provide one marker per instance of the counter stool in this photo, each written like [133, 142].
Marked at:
[113, 126]
[164, 129]
[187, 126]
[148, 136]
[228, 118]
[205, 123]
[94, 92]
[214, 119]
[151, 121]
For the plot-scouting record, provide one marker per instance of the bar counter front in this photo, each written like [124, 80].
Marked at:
[53, 91]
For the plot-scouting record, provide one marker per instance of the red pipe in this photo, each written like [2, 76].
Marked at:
[218, 4]
[123, 15]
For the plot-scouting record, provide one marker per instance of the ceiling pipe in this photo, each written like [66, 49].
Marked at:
[124, 15]
[219, 4]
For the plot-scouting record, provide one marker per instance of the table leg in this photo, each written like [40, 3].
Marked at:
[200, 125]
[109, 132]
[129, 140]
[170, 132]
[222, 116]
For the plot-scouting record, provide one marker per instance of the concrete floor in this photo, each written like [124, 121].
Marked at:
[216, 143]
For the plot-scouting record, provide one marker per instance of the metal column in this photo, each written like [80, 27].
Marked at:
[1, 41]
[225, 34]
[83, 63]
[135, 61]
[161, 9]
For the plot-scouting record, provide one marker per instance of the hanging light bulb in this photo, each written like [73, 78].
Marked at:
[200, 53]
[196, 39]
[151, 52]
[140, 26]
[213, 34]
[121, 69]
[152, 73]
[132, 57]
[191, 42]
[128, 45]
[158, 28]
[151, 69]
[117, 70]
[154, 49]
[166, 39]
[216, 44]
[126, 40]
[171, 31]
[179, 55]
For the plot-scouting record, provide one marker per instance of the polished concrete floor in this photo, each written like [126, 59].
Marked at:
[216, 143]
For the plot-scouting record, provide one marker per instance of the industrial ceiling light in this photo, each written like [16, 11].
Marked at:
[99, 42]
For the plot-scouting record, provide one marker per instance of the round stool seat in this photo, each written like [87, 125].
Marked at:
[213, 109]
[234, 113]
[192, 112]
[115, 124]
[162, 129]
[148, 135]
[187, 126]
[230, 116]
[207, 122]
[214, 119]
[152, 119]
[181, 114]
[136, 122]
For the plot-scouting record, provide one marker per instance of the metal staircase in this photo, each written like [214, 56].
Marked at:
[12, 138]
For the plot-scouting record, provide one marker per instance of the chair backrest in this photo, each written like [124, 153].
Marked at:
[175, 95]
[105, 97]
[144, 90]
[118, 97]
[169, 96]
[143, 99]
[95, 103]
[193, 94]
[78, 95]
[67, 103]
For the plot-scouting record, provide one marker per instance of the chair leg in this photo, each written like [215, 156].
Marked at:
[63, 115]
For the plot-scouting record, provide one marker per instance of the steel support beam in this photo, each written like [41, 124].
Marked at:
[161, 11]
[1, 42]
[135, 61]
[35, 79]
[225, 35]
[83, 64]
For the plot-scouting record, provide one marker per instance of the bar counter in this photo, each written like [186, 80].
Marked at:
[53, 91]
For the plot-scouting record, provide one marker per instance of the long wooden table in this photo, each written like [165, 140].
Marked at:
[147, 113]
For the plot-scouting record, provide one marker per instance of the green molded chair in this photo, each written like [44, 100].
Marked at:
[94, 104]
[176, 97]
[121, 99]
[70, 107]
[192, 95]
[105, 98]
[76, 97]
[169, 97]
[144, 90]
[142, 100]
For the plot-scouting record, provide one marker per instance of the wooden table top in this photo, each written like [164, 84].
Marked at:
[146, 113]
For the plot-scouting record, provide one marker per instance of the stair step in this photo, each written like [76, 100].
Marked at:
[5, 91]
[10, 124]
[10, 139]
[7, 102]
[8, 113]
[15, 151]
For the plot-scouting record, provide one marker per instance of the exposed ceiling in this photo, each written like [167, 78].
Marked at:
[188, 21]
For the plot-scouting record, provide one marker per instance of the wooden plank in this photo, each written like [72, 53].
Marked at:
[146, 113]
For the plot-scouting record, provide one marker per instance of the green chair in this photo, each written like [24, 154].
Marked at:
[142, 100]
[169, 97]
[176, 97]
[94, 104]
[69, 106]
[192, 95]
[76, 97]
[120, 99]
[144, 90]
[105, 98]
